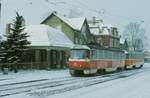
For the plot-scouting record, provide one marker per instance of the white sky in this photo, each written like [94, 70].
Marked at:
[117, 12]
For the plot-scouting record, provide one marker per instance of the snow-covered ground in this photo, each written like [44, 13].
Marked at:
[134, 86]
[31, 75]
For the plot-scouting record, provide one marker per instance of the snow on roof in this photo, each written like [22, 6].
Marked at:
[105, 32]
[75, 23]
[126, 52]
[43, 35]
[95, 31]
[103, 27]
[107, 25]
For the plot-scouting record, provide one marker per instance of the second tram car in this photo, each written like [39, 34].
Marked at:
[134, 59]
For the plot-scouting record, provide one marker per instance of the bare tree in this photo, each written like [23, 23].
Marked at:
[135, 36]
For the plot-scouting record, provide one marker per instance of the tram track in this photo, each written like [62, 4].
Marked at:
[62, 85]
[83, 84]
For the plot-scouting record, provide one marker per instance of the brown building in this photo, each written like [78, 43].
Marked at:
[107, 36]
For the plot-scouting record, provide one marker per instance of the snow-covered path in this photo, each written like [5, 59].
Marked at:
[134, 86]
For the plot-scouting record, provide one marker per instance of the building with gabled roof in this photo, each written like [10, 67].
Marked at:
[124, 44]
[76, 29]
[49, 47]
[107, 36]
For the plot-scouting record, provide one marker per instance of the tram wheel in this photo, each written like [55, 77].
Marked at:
[134, 67]
[119, 69]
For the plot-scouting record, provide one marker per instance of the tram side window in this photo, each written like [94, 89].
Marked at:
[92, 54]
[111, 54]
[107, 55]
[133, 55]
[130, 56]
[136, 56]
[124, 56]
[121, 56]
[99, 54]
[127, 56]
[118, 56]
[103, 56]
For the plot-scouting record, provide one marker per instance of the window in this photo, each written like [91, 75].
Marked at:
[76, 40]
[79, 54]
[111, 42]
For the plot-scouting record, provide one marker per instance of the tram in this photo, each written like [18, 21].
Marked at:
[84, 60]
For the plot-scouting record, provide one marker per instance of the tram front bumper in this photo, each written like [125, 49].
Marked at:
[89, 71]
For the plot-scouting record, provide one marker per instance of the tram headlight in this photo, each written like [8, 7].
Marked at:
[86, 71]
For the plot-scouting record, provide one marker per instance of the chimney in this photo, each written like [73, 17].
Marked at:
[55, 12]
[0, 11]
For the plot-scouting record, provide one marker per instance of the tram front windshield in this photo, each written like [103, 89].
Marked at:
[79, 54]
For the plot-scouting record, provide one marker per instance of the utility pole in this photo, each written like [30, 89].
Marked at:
[0, 14]
[0, 11]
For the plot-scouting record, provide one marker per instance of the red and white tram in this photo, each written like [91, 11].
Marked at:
[85, 60]
[134, 59]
